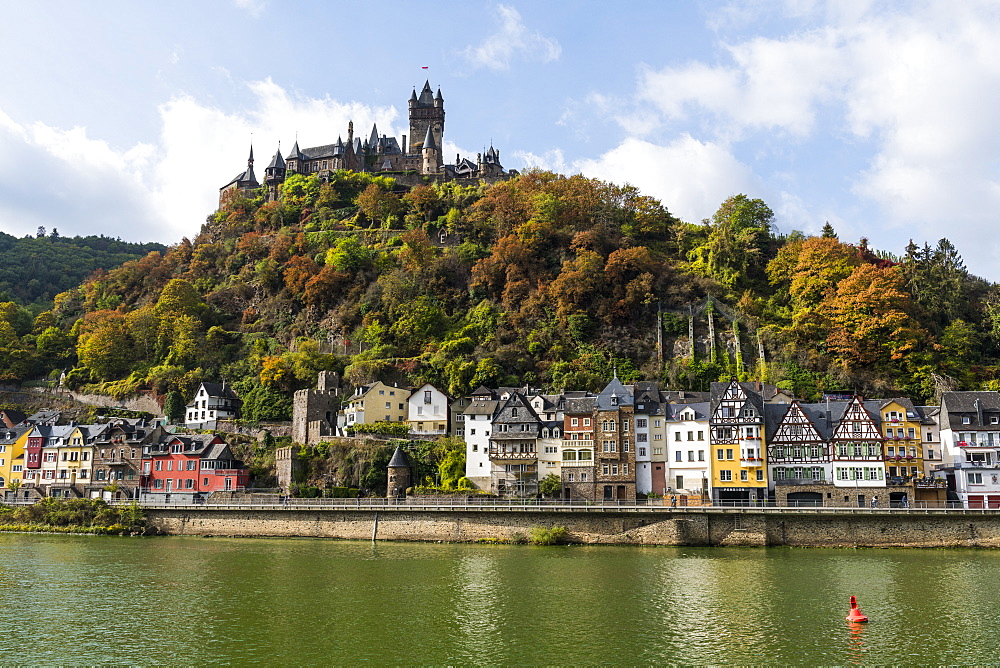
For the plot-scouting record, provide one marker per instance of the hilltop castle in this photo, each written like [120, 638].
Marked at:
[378, 153]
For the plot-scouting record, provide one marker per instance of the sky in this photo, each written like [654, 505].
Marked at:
[125, 117]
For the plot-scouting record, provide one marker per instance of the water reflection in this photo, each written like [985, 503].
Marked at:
[856, 643]
[320, 602]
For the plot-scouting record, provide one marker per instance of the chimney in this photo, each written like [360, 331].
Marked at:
[404, 144]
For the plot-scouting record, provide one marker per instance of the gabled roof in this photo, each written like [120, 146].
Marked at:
[701, 410]
[223, 390]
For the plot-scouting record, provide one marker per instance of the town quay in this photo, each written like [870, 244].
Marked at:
[626, 524]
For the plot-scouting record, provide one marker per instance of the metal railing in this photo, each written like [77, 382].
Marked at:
[574, 505]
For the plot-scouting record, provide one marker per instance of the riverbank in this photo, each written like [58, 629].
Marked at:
[758, 527]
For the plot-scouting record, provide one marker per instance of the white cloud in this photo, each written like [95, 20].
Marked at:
[513, 41]
[886, 112]
[65, 179]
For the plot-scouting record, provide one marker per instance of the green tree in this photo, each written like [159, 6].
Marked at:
[550, 485]
[736, 249]
[173, 406]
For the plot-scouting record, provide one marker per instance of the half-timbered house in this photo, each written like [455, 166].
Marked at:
[858, 464]
[737, 428]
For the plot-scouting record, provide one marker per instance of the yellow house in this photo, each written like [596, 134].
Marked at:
[739, 474]
[377, 402]
[12, 442]
[904, 451]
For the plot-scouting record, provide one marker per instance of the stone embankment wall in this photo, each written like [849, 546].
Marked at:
[688, 527]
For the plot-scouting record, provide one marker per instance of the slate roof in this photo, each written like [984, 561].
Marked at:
[480, 407]
[577, 405]
[399, 459]
[11, 417]
[702, 410]
[616, 389]
[44, 416]
[979, 407]
[429, 138]
[277, 161]
[220, 390]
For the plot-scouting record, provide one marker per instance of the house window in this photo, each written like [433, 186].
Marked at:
[677, 456]
[725, 475]
[586, 422]
[975, 478]
[966, 419]
[642, 452]
[574, 422]
[744, 475]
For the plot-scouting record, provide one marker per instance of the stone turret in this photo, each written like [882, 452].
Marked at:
[314, 412]
[399, 474]
[431, 154]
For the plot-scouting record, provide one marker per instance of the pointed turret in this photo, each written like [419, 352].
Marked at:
[426, 95]
[413, 97]
[373, 139]
[429, 139]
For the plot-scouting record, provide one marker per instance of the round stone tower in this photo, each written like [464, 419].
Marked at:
[399, 475]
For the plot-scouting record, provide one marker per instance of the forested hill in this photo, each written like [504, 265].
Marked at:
[33, 270]
[543, 280]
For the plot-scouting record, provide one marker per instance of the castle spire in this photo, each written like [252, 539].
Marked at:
[429, 139]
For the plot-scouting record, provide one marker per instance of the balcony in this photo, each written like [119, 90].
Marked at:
[751, 461]
[577, 462]
[511, 454]
[578, 444]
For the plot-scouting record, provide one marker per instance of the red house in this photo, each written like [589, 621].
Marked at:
[195, 465]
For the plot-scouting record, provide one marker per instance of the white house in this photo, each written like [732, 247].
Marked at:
[970, 436]
[427, 411]
[212, 402]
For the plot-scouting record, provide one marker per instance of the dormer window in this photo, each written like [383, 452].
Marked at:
[614, 400]
[966, 419]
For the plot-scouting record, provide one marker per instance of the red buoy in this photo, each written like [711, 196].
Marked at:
[854, 615]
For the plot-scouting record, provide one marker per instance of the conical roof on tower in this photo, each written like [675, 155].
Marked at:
[399, 459]
[429, 139]
[438, 97]
[277, 161]
[296, 153]
[373, 140]
[426, 94]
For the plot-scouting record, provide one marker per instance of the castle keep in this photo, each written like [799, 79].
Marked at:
[376, 153]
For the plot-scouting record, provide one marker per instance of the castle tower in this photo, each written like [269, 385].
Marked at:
[431, 154]
[243, 183]
[426, 111]
[274, 175]
[314, 412]
[398, 475]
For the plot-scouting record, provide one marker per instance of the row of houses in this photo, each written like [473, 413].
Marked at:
[740, 443]
[121, 459]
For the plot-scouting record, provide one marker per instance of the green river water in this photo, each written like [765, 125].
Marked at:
[179, 600]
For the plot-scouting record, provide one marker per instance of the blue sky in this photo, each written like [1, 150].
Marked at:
[125, 117]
